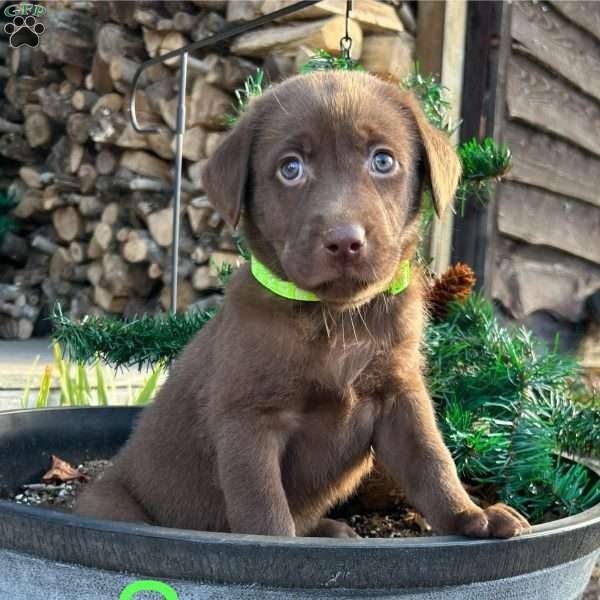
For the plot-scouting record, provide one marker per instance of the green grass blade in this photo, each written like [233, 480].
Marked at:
[25, 396]
[42, 399]
[63, 376]
[101, 385]
[147, 392]
[83, 386]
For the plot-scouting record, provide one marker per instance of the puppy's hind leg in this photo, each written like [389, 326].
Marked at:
[107, 498]
[333, 528]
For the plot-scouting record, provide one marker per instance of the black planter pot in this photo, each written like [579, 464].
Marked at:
[51, 555]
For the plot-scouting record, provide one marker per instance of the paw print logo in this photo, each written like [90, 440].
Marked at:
[24, 32]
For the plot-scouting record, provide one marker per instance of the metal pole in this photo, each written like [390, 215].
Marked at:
[179, 132]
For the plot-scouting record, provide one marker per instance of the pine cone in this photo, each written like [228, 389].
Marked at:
[456, 284]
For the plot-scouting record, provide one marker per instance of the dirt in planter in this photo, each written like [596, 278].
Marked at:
[60, 495]
[400, 521]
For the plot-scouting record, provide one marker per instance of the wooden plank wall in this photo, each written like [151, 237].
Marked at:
[547, 220]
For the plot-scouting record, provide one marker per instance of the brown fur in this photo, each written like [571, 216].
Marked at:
[273, 413]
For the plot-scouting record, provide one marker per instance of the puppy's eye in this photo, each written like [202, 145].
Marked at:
[383, 163]
[291, 169]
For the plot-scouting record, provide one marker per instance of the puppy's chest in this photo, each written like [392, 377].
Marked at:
[340, 403]
[350, 368]
[343, 396]
[341, 366]
[340, 427]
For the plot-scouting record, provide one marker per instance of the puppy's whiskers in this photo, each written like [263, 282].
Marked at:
[384, 295]
[333, 322]
[352, 323]
[362, 318]
[327, 330]
[386, 303]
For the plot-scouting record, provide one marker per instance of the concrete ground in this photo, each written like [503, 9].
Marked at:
[22, 364]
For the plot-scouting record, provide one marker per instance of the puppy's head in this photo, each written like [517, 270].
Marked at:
[327, 171]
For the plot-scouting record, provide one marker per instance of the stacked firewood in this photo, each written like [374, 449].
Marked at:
[93, 196]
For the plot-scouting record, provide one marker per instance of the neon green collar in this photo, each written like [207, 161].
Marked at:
[289, 290]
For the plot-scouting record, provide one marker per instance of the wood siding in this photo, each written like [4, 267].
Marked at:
[546, 225]
[586, 14]
[558, 44]
[552, 164]
[544, 218]
[550, 104]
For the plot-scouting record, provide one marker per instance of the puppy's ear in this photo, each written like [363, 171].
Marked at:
[442, 164]
[225, 175]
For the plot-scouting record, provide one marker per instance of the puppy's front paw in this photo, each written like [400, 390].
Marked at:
[497, 521]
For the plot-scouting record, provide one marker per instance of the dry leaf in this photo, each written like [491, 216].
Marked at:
[61, 470]
[416, 518]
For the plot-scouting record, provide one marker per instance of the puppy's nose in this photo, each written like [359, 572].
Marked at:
[346, 241]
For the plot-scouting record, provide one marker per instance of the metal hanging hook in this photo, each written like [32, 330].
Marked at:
[346, 41]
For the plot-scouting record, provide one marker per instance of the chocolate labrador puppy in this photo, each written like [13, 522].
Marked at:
[276, 409]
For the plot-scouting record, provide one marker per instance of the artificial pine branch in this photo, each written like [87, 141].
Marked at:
[482, 163]
[507, 409]
[324, 61]
[485, 160]
[142, 342]
[579, 429]
[253, 87]
[433, 97]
